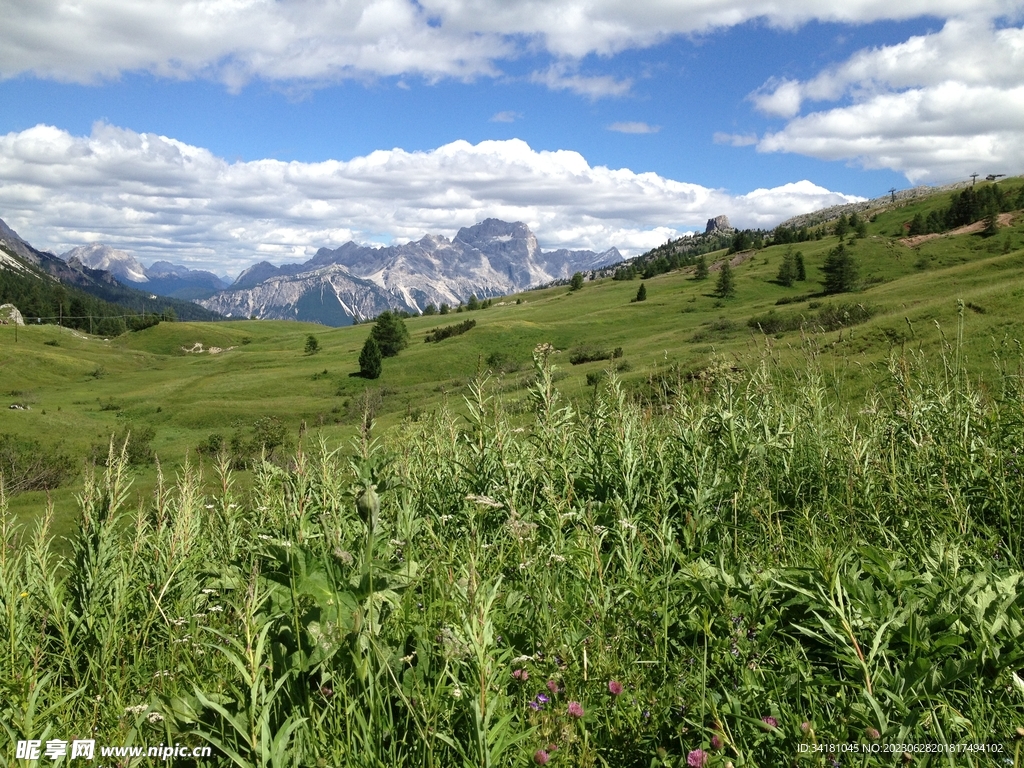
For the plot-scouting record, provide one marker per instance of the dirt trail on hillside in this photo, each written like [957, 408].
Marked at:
[735, 261]
[1005, 219]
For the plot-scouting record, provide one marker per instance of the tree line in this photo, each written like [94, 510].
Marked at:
[47, 301]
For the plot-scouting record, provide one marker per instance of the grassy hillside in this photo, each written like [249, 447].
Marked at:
[80, 389]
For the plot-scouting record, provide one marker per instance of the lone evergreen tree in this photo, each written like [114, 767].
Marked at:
[840, 270]
[312, 345]
[370, 361]
[577, 281]
[725, 286]
[798, 264]
[787, 270]
[860, 229]
[390, 334]
[842, 227]
[473, 303]
[641, 294]
[991, 225]
[701, 272]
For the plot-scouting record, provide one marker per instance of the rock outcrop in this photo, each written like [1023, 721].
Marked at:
[9, 315]
[717, 224]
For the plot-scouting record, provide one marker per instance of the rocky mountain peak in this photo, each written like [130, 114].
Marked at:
[491, 258]
[98, 256]
[717, 224]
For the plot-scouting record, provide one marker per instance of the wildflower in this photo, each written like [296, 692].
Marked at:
[534, 706]
[456, 692]
[542, 699]
[873, 734]
[326, 691]
[697, 758]
[521, 675]
[552, 747]
[540, 757]
[805, 726]
[138, 709]
[575, 709]
[770, 721]
[154, 717]
[614, 687]
[716, 741]
[216, 608]
[553, 687]
[344, 556]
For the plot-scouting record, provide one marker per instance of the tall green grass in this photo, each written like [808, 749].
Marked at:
[733, 563]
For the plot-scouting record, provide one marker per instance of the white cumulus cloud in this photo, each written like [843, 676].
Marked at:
[160, 198]
[326, 40]
[634, 127]
[936, 107]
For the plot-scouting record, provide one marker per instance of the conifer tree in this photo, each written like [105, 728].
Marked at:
[798, 263]
[840, 270]
[725, 287]
[370, 360]
[701, 272]
[390, 334]
[787, 270]
[641, 294]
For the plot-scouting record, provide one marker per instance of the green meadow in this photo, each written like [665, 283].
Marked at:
[80, 390]
[774, 528]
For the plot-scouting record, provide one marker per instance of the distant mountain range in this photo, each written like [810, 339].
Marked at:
[492, 258]
[18, 256]
[335, 287]
[162, 277]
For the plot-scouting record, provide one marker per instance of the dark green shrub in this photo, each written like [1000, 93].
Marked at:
[439, 334]
[28, 465]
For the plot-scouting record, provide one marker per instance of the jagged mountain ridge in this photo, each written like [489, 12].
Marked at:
[492, 258]
[23, 258]
[161, 277]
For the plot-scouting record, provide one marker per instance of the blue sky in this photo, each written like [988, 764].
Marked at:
[229, 137]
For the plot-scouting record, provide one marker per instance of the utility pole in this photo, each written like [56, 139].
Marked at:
[974, 178]
[893, 193]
